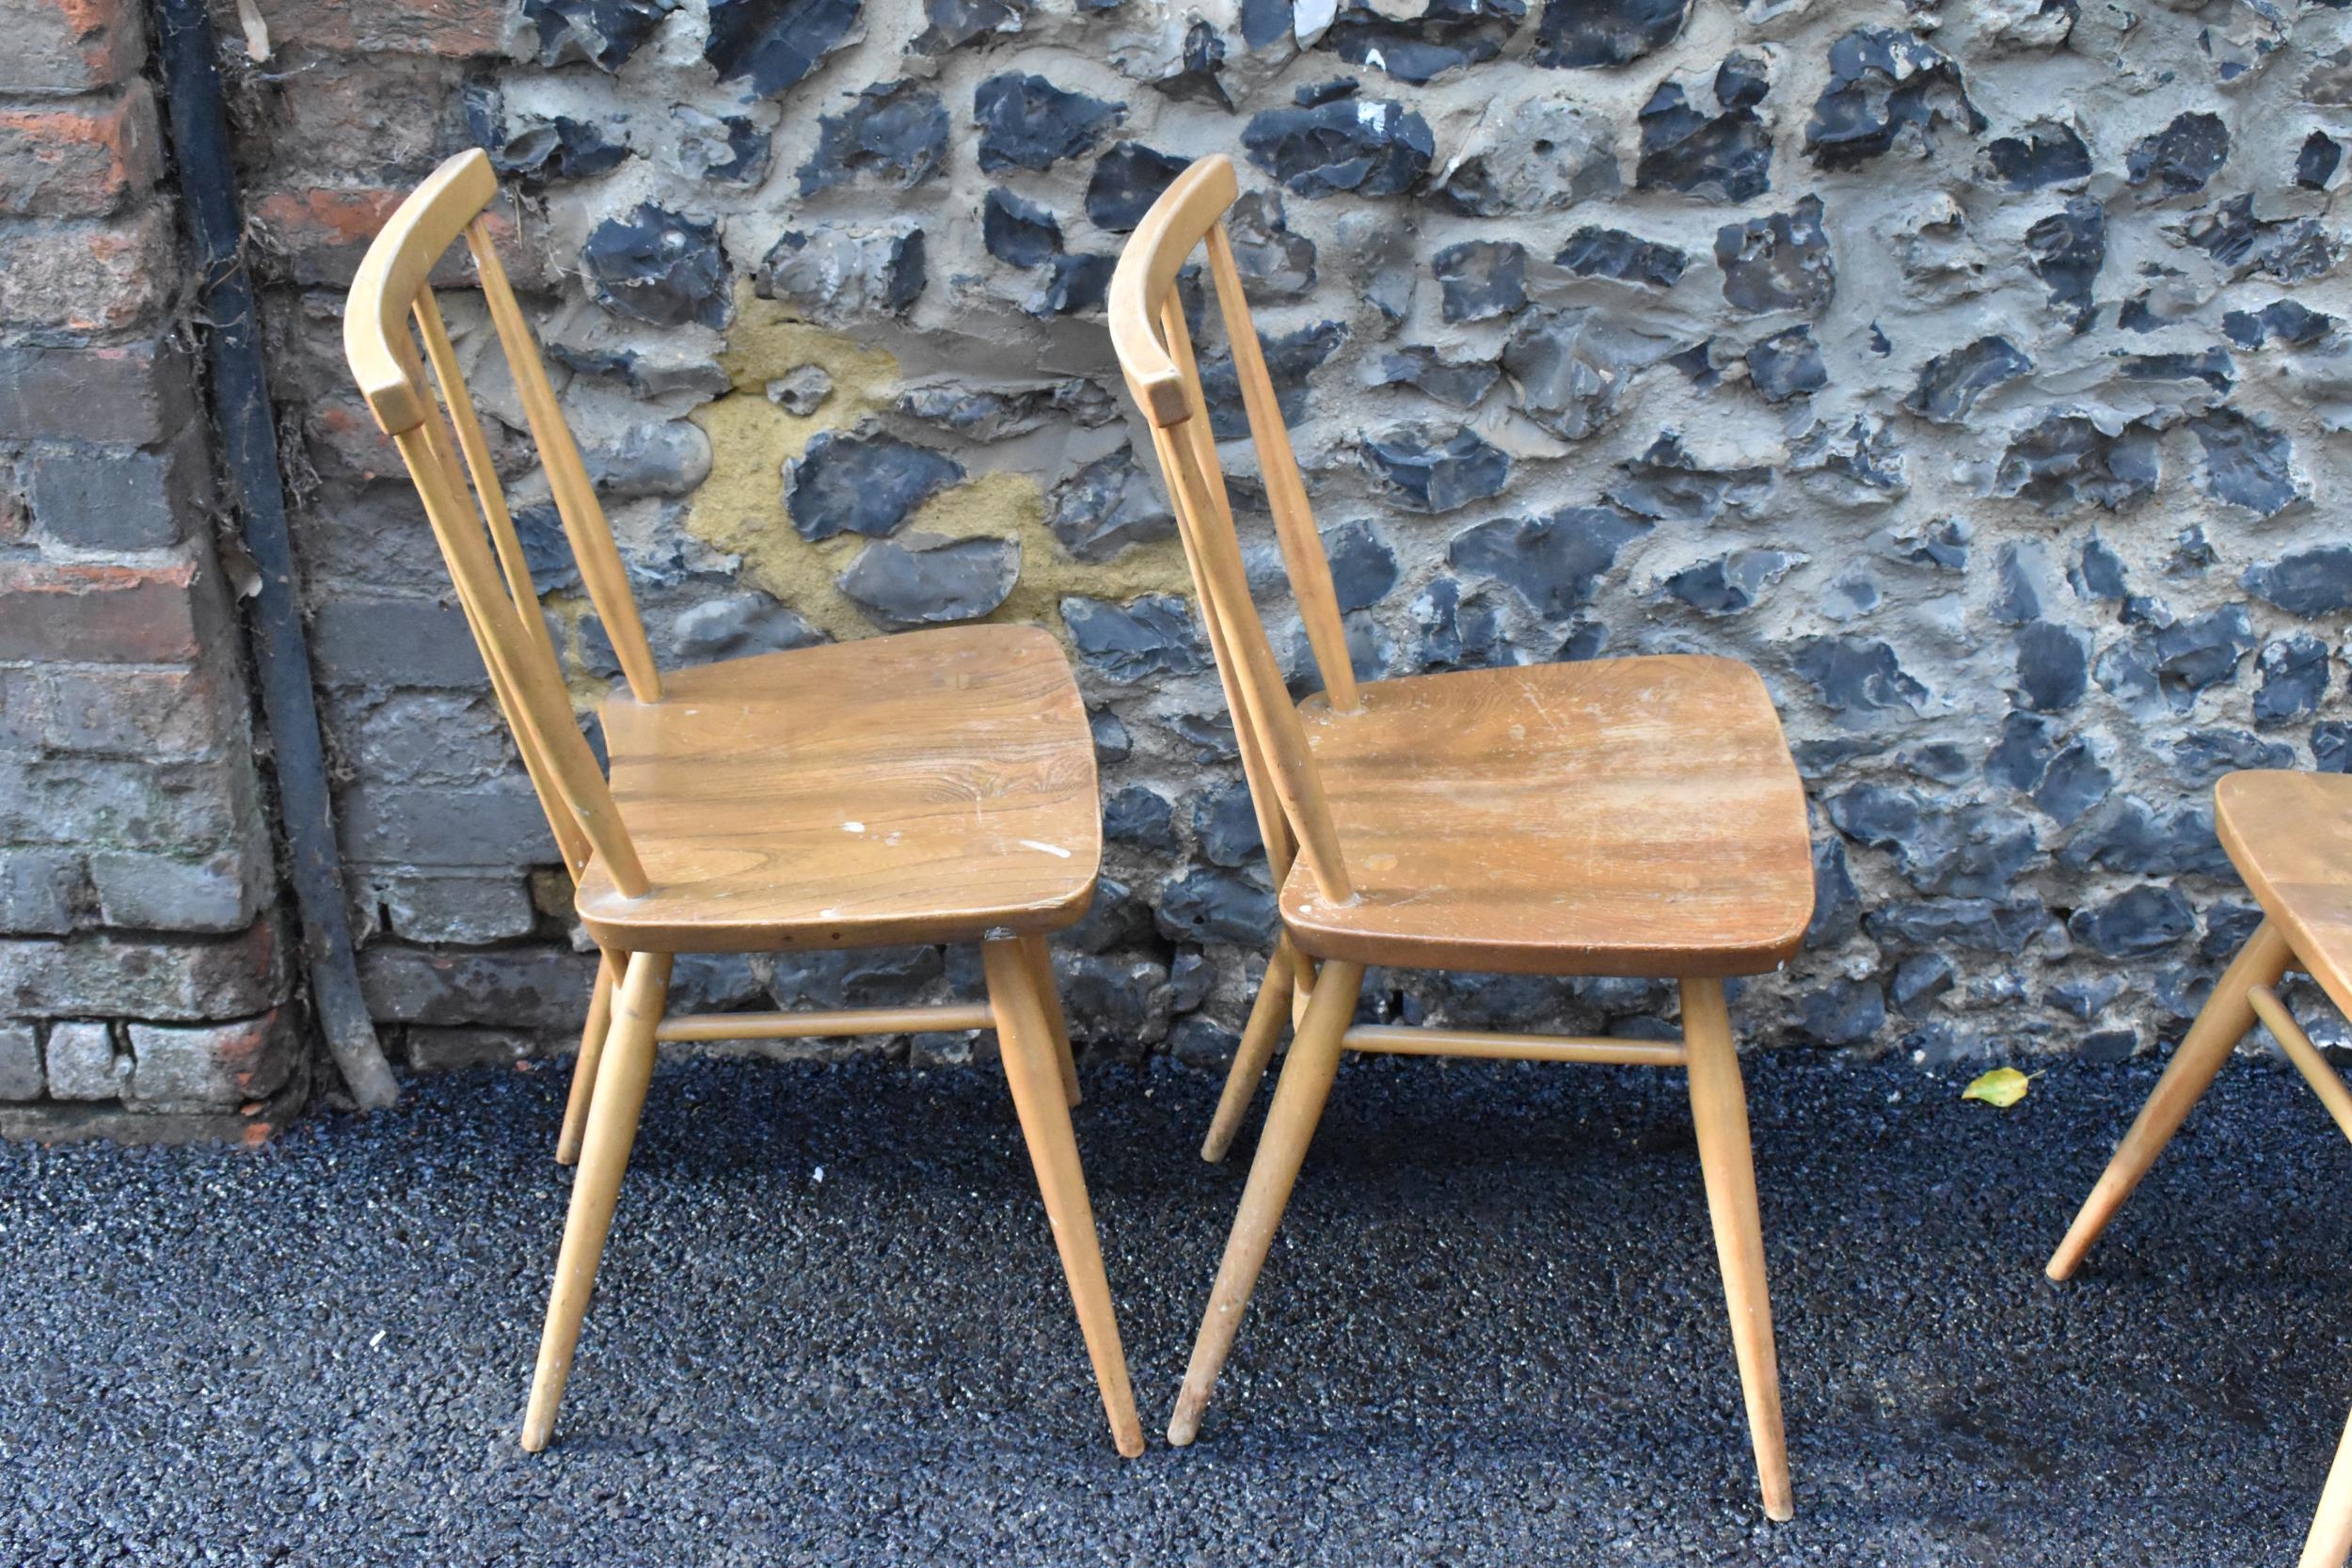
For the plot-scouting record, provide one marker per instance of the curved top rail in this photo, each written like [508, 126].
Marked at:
[377, 342]
[1147, 270]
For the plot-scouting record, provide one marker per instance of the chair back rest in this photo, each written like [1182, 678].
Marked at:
[391, 291]
[1154, 347]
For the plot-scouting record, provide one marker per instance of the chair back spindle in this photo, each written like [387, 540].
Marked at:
[1155, 352]
[431, 419]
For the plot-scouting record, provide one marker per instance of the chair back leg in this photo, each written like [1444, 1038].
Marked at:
[2224, 1020]
[585, 1065]
[1290, 1126]
[1266, 1017]
[620, 1096]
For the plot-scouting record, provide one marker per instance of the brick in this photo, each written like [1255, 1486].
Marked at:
[384, 643]
[451, 28]
[190, 808]
[171, 981]
[86, 613]
[422, 737]
[315, 234]
[39, 888]
[472, 912]
[20, 1061]
[120, 500]
[70, 46]
[83, 158]
[130, 394]
[212, 1066]
[87, 274]
[448, 1050]
[159, 714]
[379, 111]
[161, 893]
[444, 827]
[524, 988]
[375, 534]
[83, 1062]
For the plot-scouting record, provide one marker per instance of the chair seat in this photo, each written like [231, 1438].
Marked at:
[2290, 836]
[933, 787]
[1635, 817]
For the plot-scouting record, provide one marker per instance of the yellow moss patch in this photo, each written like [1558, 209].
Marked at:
[740, 508]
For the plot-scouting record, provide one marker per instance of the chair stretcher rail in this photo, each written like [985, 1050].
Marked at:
[1394, 1041]
[2304, 1055]
[852, 1021]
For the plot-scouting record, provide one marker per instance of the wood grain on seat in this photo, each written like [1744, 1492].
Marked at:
[2290, 836]
[931, 786]
[1619, 817]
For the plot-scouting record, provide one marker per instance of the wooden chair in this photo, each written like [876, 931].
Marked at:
[1636, 817]
[2290, 836]
[932, 788]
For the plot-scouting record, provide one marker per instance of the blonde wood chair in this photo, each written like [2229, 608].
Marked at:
[2290, 836]
[932, 788]
[1636, 817]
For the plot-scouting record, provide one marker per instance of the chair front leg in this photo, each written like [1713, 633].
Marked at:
[1039, 959]
[622, 1076]
[1290, 1126]
[1266, 1017]
[1719, 1113]
[2223, 1022]
[1025, 1042]
[591, 1052]
[2330, 1538]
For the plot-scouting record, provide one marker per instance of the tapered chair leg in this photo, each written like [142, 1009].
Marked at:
[1719, 1113]
[1290, 1126]
[1041, 961]
[622, 1075]
[2330, 1538]
[2226, 1018]
[1040, 1098]
[1266, 1017]
[585, 1065]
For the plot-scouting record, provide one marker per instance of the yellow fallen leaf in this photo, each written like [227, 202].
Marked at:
[2003, 1087]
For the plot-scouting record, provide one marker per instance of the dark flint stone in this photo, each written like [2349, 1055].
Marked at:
[2213, 366]
[1857, 675]
[1730, 583]
[1225, 826]
[1150, 636]
[845, 482]
[1780, 262]
[2331, 746]
[1018, 233]
[1289, 360]
[1271, 259]
[957, 22]
[1582, 34]
[1074, 285]
[2047, 154]
[1027, 122]
[1883, 84]
[560, 149]
[834, 273]
[1196, 76]
[1551, 561]
[657, 267]
[1482, 278]
[1458, 385]
[1844, 1012]
[2310, 583]
[603, 32]
[2292, 323]
[1666, 482]
[2247, 463]
[1313, 95]
[1973, 923]
[737, 625]
[1786, 364]
[1363, 568]
[731, 150]
[2201, 757]
[1863, 452]
[1921, 978]
[1455, 632]
[2066, 251]
[1594, 252]
[2073, 784]
[1373, 147]
[1836, 902]
[1742, 80]
[2205, 649]
[2288, 249]
[2315, 165]
[1127, 181]
[2181, 157]
[1207, 906]
[2100, 573]
[1112, 741]
[1422, 473]
[2018, 759]
[895, 130]
[776, 43]
[1446, 36]
[1140, 816]
[1950, 384]
[2065, 459]
[2052, 666]
[919, 580]
[1108, 505]
[2135, 924]
[1728, 158]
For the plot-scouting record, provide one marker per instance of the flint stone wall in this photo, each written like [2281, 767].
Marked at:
[1976, 372]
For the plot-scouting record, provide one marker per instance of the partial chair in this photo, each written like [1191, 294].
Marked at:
[1633, 817]
[932, 788]
[2290, 836]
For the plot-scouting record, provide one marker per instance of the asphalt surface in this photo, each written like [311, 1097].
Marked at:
[831, 1330]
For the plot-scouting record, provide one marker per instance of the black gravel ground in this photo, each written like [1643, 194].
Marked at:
[831, 1330]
